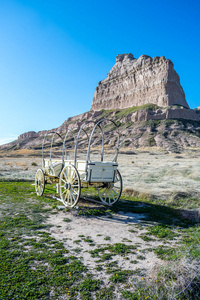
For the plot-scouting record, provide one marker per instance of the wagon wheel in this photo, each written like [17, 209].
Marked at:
[70, 186]
[111, 191]
[39, 182]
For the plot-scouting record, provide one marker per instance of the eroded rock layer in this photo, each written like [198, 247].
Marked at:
[171, 128]
[135, 82]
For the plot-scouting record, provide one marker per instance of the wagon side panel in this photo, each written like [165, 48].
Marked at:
[101, 172]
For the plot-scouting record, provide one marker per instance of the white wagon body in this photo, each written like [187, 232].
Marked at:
[97, 171]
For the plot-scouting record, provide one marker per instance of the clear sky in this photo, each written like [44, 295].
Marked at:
[53, 53]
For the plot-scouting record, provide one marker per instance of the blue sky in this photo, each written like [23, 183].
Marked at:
[53, 53]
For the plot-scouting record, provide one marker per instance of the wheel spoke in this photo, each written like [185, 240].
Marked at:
[109, 197]
[74, 191]
[69, 172]
[75, 185]
[70, 199]
[65, 197]
[103, 191]
[65, 191]
[65, 176]
[115, 192]
[106, 193]
[73, 197]
[74, 179]
[113, 195]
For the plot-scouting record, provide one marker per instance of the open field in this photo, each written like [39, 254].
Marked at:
[149, 171]
[144, 247]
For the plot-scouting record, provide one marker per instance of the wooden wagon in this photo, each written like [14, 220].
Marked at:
[71, 175]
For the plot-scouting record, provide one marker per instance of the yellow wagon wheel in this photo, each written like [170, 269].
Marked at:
[70, 186]
[39, 182]
[111, 191]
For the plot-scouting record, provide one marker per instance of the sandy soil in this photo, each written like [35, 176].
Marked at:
[98, 229]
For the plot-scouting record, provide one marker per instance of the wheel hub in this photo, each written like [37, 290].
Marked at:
[110, 185]
[67, 186]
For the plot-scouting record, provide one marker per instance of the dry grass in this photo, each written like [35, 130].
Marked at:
[8, 164]
[25, 151]
[21, 164]
[175, 279]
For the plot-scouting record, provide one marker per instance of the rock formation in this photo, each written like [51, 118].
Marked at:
[157, 114]
[28, 134]
[135, 82]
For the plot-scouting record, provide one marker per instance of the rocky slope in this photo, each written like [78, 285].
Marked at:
[134, 82]
[149, 125]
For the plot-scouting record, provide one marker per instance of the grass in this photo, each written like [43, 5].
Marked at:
[33, 265]
[120, 277]
[162, 231]
[125, 112]
[67, 220]
[91, 211]
[115, 249]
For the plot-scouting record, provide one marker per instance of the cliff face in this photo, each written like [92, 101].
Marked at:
[134, 82]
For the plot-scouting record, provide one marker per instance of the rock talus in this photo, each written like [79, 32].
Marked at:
[135, 82]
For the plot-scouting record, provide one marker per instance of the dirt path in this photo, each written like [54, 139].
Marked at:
[84, 236]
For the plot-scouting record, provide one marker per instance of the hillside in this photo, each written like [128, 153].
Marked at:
[173, 129]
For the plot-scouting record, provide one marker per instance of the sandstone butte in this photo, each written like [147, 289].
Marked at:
[143, 95]
[135, 82]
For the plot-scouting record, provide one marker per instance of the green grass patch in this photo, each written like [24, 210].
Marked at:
[91, 212]
[120, 276]
[125, 112]
[162, 231]
[67, 220]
